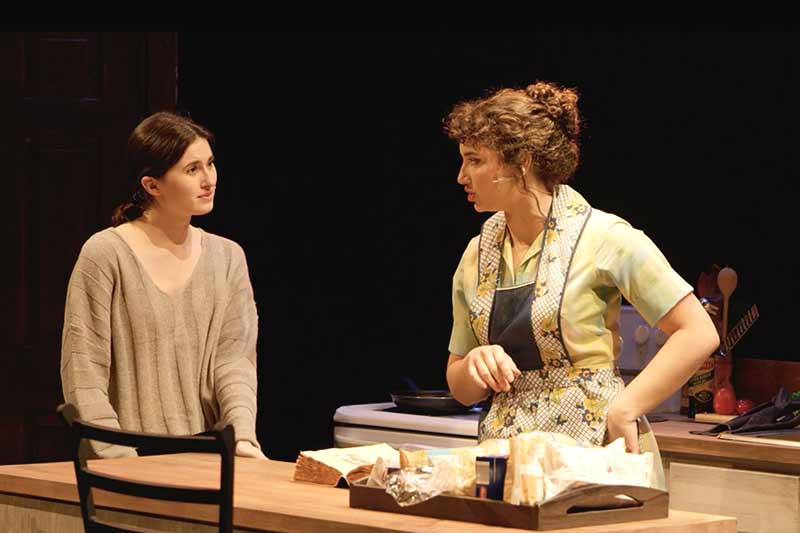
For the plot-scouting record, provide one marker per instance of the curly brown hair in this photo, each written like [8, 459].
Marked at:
[541, 121]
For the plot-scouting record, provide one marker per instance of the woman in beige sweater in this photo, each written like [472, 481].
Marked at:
[160, 324]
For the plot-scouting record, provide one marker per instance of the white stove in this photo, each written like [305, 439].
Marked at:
[374, 423]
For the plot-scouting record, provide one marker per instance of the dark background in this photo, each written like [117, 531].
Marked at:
[339, 183]
[336, 178]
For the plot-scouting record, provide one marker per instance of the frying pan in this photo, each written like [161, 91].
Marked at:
[438, 402]
[427, 401]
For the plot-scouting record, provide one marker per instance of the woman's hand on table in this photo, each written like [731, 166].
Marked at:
[245, 448]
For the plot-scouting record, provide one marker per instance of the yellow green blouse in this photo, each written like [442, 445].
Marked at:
[612, 259]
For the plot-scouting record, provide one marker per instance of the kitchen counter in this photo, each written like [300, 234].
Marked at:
[43, 497]
[757, 483]
[675, 440]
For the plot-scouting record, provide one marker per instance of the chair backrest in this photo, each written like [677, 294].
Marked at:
[218, 440]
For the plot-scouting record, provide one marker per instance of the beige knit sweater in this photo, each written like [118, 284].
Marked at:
[134, 357]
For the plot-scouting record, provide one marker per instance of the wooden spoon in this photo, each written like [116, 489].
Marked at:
[726, 280]
[724, 396]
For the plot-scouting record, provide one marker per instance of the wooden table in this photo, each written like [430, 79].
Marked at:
[759, 484]
[43, 497]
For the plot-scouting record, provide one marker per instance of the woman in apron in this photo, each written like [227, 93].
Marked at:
[537, 294]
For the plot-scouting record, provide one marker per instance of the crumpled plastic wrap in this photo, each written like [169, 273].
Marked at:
[446, 473]
[413, 485]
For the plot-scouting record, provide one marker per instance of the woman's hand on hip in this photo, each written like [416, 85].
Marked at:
[491, 367]
[245, 448]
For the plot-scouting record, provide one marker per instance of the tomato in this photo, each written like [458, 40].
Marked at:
[744, 405]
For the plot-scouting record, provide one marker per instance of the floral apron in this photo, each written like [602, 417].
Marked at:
[551, 394]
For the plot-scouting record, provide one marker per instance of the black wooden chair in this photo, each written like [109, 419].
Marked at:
[219, 440]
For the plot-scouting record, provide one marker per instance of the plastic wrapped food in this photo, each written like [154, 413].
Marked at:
[441, 471]
[524, 483]
[569, 467]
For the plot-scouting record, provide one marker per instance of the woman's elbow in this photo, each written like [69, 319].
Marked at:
[708, 338]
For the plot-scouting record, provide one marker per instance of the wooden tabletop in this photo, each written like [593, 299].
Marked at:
[266, 498]
[673, 437]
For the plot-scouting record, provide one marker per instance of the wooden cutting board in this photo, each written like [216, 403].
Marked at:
[778, 437]
[712, 418]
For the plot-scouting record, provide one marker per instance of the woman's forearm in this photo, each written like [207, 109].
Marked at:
[676, 361]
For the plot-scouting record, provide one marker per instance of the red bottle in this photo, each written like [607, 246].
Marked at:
[725, 400]
[724, 395]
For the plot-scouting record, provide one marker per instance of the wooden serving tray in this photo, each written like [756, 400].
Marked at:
[587, 506]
